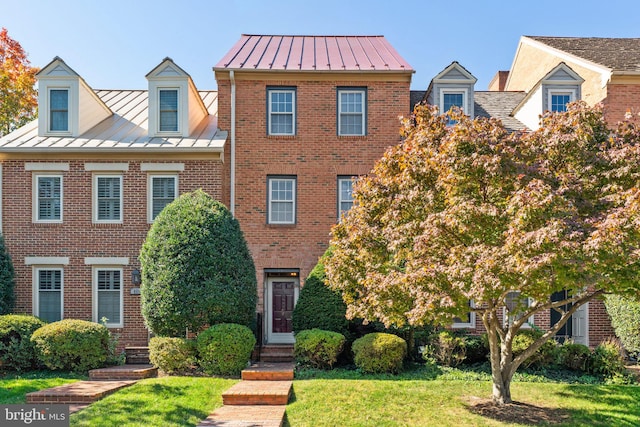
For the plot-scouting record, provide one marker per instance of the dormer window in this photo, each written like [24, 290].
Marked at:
[168, 120]
[452, 87]
[59, 110]
[558, 100]
[452, 98]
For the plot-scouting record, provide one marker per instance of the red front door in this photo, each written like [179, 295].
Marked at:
[283, 295]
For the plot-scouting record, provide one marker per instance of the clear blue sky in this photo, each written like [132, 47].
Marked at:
[113, 44]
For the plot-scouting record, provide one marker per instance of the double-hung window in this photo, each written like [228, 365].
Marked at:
[108, 198]
[515, 306]
[49, 298]
[281, 111]
[168, 111]
[58, 110]
[108, 296]
[281, 200]
[163, 189]
[352, 111]
[345, 194]
[48, 200]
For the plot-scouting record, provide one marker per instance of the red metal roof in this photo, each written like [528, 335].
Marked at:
[313, 53]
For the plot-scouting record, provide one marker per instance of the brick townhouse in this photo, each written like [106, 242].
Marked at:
[294, 121]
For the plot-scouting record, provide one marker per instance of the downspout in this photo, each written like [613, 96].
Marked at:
[232, 195]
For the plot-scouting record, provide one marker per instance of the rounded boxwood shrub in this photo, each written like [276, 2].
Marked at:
[7, 280]
[574, 356]
[544, 356]
[225, 349]
[318, 348]
[196, 268]
[16, 349]
[172, 355]
[625, 319]
[319, 307]
[607, 359]
[379, 352]
[72, 345]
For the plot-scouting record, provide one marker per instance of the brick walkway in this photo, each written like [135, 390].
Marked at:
[259, 400]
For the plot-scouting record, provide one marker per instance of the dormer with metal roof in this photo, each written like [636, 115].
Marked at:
[453, 86]
[68, 106]
[175, 107]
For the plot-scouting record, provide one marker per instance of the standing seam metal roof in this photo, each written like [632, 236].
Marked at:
[313, 53]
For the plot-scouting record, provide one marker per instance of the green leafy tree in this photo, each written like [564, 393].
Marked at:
[196, 268]
[470, 212]
[625, 319]
[7, 280]
[18, 96]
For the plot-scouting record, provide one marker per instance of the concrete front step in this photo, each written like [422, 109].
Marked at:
[124, 372]
[264, 371]
[78, 392]
[246, 416]
[258, 393]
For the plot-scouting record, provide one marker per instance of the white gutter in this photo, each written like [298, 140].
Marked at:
[232, 195]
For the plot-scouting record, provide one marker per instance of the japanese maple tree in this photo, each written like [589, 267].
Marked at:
[471, 212]
[18, 96]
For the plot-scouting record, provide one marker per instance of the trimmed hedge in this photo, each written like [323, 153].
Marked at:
[17, 352]
[317, 348]
[319, 307]
[196, 268]
[225, 349]
[172, 355]
[72, 345]
[379, 352]
[625, 319]
[7, 280]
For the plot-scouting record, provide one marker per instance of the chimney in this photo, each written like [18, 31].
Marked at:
[499, 81]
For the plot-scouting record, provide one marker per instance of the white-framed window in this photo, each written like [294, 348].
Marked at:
[107, 203]
[47, 205]
[168, 110]
[516, 303]
[107, 296]
[281, 105]
[466, 321]
[345, 194]
[558, 99]
[281, 203]
[48, 293]
[452, 98]
[58, 110]
[352, 111]
[163, 189]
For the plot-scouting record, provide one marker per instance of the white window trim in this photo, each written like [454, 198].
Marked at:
[340, 201]
[558, 91]
[36, 287]
[46, 166]
[471, 324]
[150, 178]
[70, 111]
[106, 167]
[108, 260]
[94, 197]
[363, 91]
[293, 112]
[36, 198]
[270, 180]
[508, 319]
[94, 287]
[178, 130]
[454, 90]
[46, 260]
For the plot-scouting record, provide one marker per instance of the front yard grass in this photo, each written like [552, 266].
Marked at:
[167, 401]
[15, 386]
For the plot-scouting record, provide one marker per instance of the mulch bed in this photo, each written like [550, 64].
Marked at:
[517, 412]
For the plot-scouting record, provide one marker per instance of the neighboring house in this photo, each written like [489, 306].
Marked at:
[82, 184]
[306, 116]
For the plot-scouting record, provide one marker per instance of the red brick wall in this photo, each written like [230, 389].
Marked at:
[620, 99]
[78, 238]
[316, 155]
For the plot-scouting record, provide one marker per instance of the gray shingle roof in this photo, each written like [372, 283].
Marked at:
[499, 105]
[416, 97]
[619, 54]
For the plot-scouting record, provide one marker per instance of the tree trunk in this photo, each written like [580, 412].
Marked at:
[500, 362]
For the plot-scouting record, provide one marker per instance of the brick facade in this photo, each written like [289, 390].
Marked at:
[621, 98]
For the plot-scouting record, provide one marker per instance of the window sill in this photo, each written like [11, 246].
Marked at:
[281, 136]
[281, 225]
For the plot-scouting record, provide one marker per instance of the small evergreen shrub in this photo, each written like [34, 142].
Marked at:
[225, 349]
[546, 355]
[574, 356]
[447, 348]
[625, 319]
[477, 349]
[319, 307]
[7, 280]
[172, 355]
[317, 348]
[379, 352]
[607, 359]
[17, 352]
[72, 345]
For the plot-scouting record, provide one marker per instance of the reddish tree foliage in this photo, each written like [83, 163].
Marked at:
[18, 96]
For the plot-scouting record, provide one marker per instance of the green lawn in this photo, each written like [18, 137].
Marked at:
[15, 386]
[168, 401]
